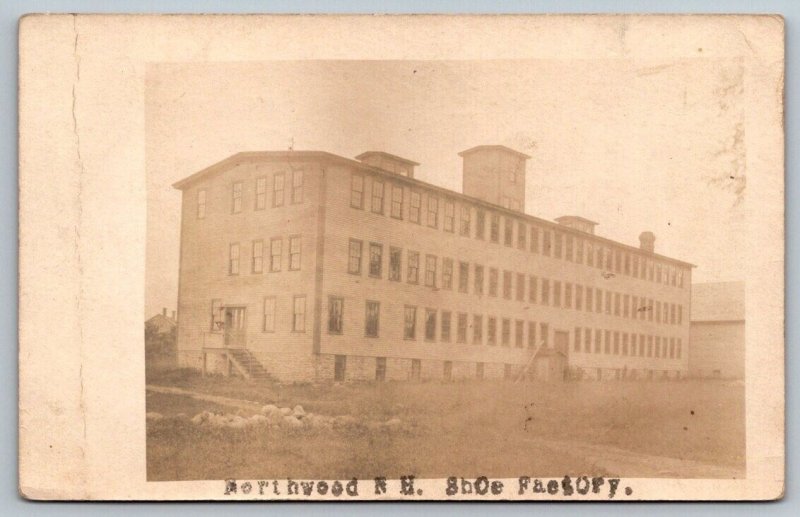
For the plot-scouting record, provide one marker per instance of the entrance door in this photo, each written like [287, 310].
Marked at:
[234, 327]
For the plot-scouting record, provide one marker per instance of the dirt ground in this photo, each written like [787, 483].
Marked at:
[685, 428]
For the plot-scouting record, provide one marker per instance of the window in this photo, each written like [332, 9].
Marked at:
[297, 186]
[465, 220]
[335, 314]
[545, 291]
[635, 267]
[448, 370]
[477, 329]
[447, 273]
[506, 332]
[578, 297]
[278, 187]
[520, 287]
[257, 260]
[508, 231]
[445, 332]
[478, 279]
[607, 342]
[658, 346]
[339, 367]
[201, 204]
[678, 350]
[680, 281]
[626, 302]
[236, 206]
[519, 333]
[375, 260]
[357, 191]
[430, 324]
[397, 202]
[449, 216]
[377, 197]
[395, 263]
[589, 254]
[416, 368]
[680, 314]
[491, 324]
[413, 268]
[268, 316]
[658, 273]
[658, 312]
[556, 293]
[261, 193]
[589, 298]
[616, 342]
[534, 239]
[354, 258]
[380, 369]
[494, 227]
[587, 340]
[546, 244]
[409, 322]
[608, 260]
[433, 211]
[627, 269]
[579, 251]
[294, 253]
[275, 252]
[650, 310]
[507, 285]
[461, 328]
[570, 248]
[522, 236]
[531, 334]
[233, 259]
[480, 224]
[618, 261]
[430, 270]
[633, 344]
[568, 295]
[558, 239]
[624, 343]
[577, 342]
[372, 318]
[599, 257]
[416, 205]
[299, 314]
[544, 334]
[463, 277]
[598, 337]
[598, 301]
[532, 287]
[617, 304]
[608, 302]
[493, 279]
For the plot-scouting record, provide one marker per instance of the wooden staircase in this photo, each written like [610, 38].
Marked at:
[247, 364]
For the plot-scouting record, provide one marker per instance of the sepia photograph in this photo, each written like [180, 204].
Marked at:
[378, 257]
[438, 267]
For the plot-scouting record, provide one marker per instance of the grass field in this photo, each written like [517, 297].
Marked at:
[497, 429]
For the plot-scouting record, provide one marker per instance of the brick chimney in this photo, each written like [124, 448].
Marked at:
[647, 242]
[164, 312]
[174, 316]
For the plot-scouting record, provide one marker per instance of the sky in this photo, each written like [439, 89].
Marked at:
[633, 145]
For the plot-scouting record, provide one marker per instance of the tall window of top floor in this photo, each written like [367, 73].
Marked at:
[357, 191]
[397, 202]
[236, 205]
[377, 196]
[433, 211]
[508, 231]
[278, 188]
[233, 259]
[480, 224]
[201, 204]
[449, 216]
[261, 193]
[546, 242]
[558, 239]
[294, 253]
[494, 227]
[297, 186]
[415, 207]
[465, 220]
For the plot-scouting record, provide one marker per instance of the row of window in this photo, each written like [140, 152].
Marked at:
[277, 194]
[551, 243]
[275, 257]
[298, 321]
[539, 290]
[624, 343]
